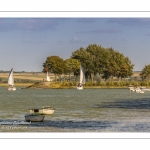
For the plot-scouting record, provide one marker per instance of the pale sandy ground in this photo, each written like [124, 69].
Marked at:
[29, 76]
[24, 77]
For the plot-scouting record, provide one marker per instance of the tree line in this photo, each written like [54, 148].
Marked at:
[94, 59]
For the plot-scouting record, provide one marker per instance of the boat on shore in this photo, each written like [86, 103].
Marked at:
[34, 118]
[44, 110]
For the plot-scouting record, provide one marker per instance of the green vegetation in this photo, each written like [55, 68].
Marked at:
[95, 60]
[103, 68]
[145, 74]
[73, 85]
[4, 80]
[54, 64]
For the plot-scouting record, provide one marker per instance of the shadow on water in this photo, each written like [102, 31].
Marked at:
[90, 125]
[86, 125]
[127, 104]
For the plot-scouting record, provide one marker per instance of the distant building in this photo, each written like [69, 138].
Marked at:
[47, 77]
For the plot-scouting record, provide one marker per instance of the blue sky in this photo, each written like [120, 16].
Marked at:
[25, 43]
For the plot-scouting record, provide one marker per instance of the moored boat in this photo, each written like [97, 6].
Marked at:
[44, 110]
[138, 90]
[132, 89]
[144, 89]
[11, 81]
[34, 118]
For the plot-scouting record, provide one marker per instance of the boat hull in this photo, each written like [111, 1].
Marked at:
[12, 89]
[43, 111]
[34, 118]
[145, 89]
[80, 88]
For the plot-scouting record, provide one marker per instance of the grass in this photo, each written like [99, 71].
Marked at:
[63, 85]
[17, 84]
[28, 79]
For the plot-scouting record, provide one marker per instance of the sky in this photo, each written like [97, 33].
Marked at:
[25, 43]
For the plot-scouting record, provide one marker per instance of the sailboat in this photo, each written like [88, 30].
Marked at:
[82, 79]
[11, 81]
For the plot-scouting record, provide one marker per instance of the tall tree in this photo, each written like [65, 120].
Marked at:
[86, 60]
[106, 61]
[71, 66]
[117, 65]
[145, 73]
[55, 65]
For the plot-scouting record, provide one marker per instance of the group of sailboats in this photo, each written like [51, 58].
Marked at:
[11, 86]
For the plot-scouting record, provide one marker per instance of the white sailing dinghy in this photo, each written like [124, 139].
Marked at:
[11, 81]
[82, 79]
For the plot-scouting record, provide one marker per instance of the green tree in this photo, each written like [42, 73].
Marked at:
[105, 61]
[98, 57]
[126, 68]
[55, 65]
[117, 65]
[86, 61]
[145, 73]
[71, 66]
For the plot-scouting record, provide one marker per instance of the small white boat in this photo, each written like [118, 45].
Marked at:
[44, 110]
[80, 87]
[82, 79]
[11, 81]
[34, 118]
[138, 90]
[132, 89]
[144, 89]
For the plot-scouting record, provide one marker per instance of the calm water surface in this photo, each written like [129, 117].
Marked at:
[88, 110]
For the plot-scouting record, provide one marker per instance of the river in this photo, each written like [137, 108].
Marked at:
[87, 110]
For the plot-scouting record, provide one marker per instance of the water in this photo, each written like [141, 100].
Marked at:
[88, 110]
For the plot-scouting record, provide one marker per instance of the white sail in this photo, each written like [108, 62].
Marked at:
[82, 76]
[82, 79]
[11, 78]
[11, 81]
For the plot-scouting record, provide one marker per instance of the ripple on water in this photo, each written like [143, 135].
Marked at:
[89, 110]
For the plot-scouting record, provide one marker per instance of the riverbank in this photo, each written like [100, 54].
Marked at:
[67, 85]
[73, 85]
[60, 87]
[17, 84]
